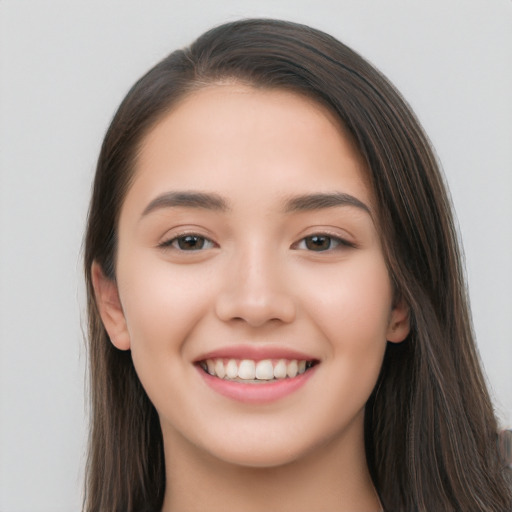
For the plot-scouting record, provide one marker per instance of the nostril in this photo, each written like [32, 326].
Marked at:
[255, 309]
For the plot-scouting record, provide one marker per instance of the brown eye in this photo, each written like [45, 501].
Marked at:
[318, 242]
[322, 243]
[188, 243]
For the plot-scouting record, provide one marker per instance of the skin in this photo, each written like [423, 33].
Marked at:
[256, 283]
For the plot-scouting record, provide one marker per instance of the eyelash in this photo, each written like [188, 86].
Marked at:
[338, 242]
[173, 242]
[332, 240]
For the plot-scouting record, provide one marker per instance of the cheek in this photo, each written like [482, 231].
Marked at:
[162, 306]
[161, 303]
[352, 308]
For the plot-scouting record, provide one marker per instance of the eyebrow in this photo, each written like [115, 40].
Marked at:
[215, 202]
[188, 200]
[309, 202]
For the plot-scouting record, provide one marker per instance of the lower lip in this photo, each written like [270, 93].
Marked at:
[260, 393]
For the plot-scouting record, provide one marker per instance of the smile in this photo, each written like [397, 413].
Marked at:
[252, 371]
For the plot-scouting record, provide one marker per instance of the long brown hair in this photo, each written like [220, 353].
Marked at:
[430, 430]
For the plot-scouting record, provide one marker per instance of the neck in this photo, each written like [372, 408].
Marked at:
[334, 477]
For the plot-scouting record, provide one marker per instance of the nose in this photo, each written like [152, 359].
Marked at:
[255, 291]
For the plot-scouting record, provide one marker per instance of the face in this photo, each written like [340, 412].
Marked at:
[251, 284]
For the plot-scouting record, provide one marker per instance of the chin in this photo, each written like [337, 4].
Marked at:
[269, 449]
[256, 458]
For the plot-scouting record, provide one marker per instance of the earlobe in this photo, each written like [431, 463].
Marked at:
[110, 308]
[399, 323]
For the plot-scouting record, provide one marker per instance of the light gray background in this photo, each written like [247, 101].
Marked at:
[64, 67]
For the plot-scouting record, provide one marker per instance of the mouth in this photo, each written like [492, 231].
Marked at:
[250, 371]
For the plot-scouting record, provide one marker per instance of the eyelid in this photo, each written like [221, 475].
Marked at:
[168, 241]
[341, 241]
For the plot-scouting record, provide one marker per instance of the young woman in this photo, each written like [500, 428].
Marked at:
[277, 313]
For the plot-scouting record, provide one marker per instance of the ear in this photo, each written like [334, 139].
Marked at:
[399, 322]
[110, 309]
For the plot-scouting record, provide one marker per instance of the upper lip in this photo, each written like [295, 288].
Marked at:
[256, 353]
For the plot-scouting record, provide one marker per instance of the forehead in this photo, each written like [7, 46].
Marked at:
[228, 137]
[218, 105]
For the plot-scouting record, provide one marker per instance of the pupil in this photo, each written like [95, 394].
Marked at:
[191, 242]
[318, 243]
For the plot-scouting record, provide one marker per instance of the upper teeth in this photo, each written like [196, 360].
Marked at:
[247, 369]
